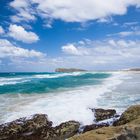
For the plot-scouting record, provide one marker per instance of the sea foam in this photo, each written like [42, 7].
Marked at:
[73, 104]
[12, 81]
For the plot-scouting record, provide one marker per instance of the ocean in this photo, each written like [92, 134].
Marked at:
[66, 96]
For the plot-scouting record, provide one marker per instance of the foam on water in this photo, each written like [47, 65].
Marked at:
[11, 81]
[22, 79]
[73, 104]
[57, 75]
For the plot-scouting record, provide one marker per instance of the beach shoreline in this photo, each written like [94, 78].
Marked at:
[114, 92]
[38, 127]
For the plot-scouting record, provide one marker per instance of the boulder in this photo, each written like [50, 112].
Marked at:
[94, 126]
[126, 128]
[130, 114]
[37, 127]
[129, 131]
[67, 129]
[102, 114]
[24, 126]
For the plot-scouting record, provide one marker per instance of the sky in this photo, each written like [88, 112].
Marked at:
[42, 35]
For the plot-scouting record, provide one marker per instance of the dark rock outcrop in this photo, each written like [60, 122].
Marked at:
[69, 70]
[94, 126]
[130, 114]
[134, 69]
[24, 126]
[128, 128]
[67, 129]
[38, 127]
[102, 114]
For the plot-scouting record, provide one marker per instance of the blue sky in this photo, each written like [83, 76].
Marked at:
[41, 35]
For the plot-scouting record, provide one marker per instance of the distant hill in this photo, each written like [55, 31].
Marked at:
[134, 69]
[68, 70]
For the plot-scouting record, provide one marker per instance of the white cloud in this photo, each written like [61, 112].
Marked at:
[107, 53]
[129, 24]
[100, 54]
[25, 12]
[8, 50]
[22, 16]
[105, 20]
[1, 30]
[19, 4]
[20, 34]
[71, 49]
[100, 48]
[129, 33]
[72, 10]
[126, 33]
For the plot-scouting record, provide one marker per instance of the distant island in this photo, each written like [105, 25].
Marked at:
[69, 70]
[133, 69]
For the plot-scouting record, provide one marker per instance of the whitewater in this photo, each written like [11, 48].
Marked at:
[66, 96]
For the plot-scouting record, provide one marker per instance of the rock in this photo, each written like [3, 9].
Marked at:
[68, 129]
[94, 126]
[104, 133]
[130, 114]
[134, 69]
[68, 70]
[128, 130]
[102, 114]
[38, 127]
[24, 126]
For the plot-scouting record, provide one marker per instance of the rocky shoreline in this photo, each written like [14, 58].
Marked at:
[38, 127]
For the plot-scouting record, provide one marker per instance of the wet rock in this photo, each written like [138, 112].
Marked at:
[67, 129]
[125, 132]
[94, 126]
[131, 132]
[130, 114]
[38, 127]
[24, 126]
[102, 114]
[128, 131]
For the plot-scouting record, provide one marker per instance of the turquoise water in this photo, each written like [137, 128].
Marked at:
[66, 96]
[46, 82]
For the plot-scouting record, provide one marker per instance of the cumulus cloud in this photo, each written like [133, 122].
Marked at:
[129, 24]
[25, 11]
[72, 10]
[1, 30]
[128, 33]
[99, 48]
[8, 50]
[20, 34]
[109, 53]
[100, 54]
[73, 50]
[70, 49]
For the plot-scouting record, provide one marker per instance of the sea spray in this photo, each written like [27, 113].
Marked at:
[70, 99]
